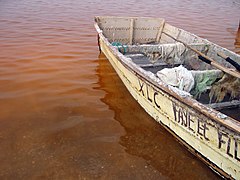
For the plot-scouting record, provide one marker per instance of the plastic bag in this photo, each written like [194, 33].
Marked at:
[178, 77]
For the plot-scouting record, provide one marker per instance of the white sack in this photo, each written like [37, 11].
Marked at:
[178, 77]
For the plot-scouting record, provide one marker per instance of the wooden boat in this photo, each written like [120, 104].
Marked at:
[182, 81]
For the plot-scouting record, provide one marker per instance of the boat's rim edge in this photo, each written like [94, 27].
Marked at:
[125, 17]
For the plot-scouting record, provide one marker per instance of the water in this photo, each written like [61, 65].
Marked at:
[65, 114]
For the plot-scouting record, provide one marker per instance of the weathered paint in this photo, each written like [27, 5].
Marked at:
[216, 142]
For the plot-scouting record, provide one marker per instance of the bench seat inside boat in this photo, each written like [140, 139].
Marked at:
[154, 57]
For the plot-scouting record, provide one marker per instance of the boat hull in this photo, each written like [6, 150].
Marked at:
[215, 144]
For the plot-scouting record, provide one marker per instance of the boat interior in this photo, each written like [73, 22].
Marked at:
[157, 47]
[212, 82]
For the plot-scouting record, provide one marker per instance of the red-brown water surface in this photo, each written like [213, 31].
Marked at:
[65, 114]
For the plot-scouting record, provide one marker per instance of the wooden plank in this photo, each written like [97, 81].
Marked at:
[163, 64]
[145, 30]
[178, 35]
[131, 31]
[225, 105]
[134, 55]
[145, 64]
[160, 31]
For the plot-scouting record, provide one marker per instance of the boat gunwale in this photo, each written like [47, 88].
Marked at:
[229, 122]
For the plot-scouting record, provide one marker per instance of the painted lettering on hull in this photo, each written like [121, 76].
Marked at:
[193, 123]
[200, 128]
[184, 118]
[151, 97]
[229, 144]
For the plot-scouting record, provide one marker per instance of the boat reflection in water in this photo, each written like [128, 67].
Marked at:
[237, 40]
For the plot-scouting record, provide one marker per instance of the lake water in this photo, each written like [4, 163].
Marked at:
[65, 114]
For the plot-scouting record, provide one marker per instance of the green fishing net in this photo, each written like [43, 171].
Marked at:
[204, 80]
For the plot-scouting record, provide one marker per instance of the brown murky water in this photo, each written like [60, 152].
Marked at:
[65, 114]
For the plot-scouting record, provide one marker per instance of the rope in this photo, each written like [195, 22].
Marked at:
[120, 47]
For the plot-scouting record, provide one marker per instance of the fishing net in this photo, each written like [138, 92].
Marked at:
[169, 53]
[227, 85]
[121, 47]
[204, 80]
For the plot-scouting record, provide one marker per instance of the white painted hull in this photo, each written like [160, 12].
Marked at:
[213, 139]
